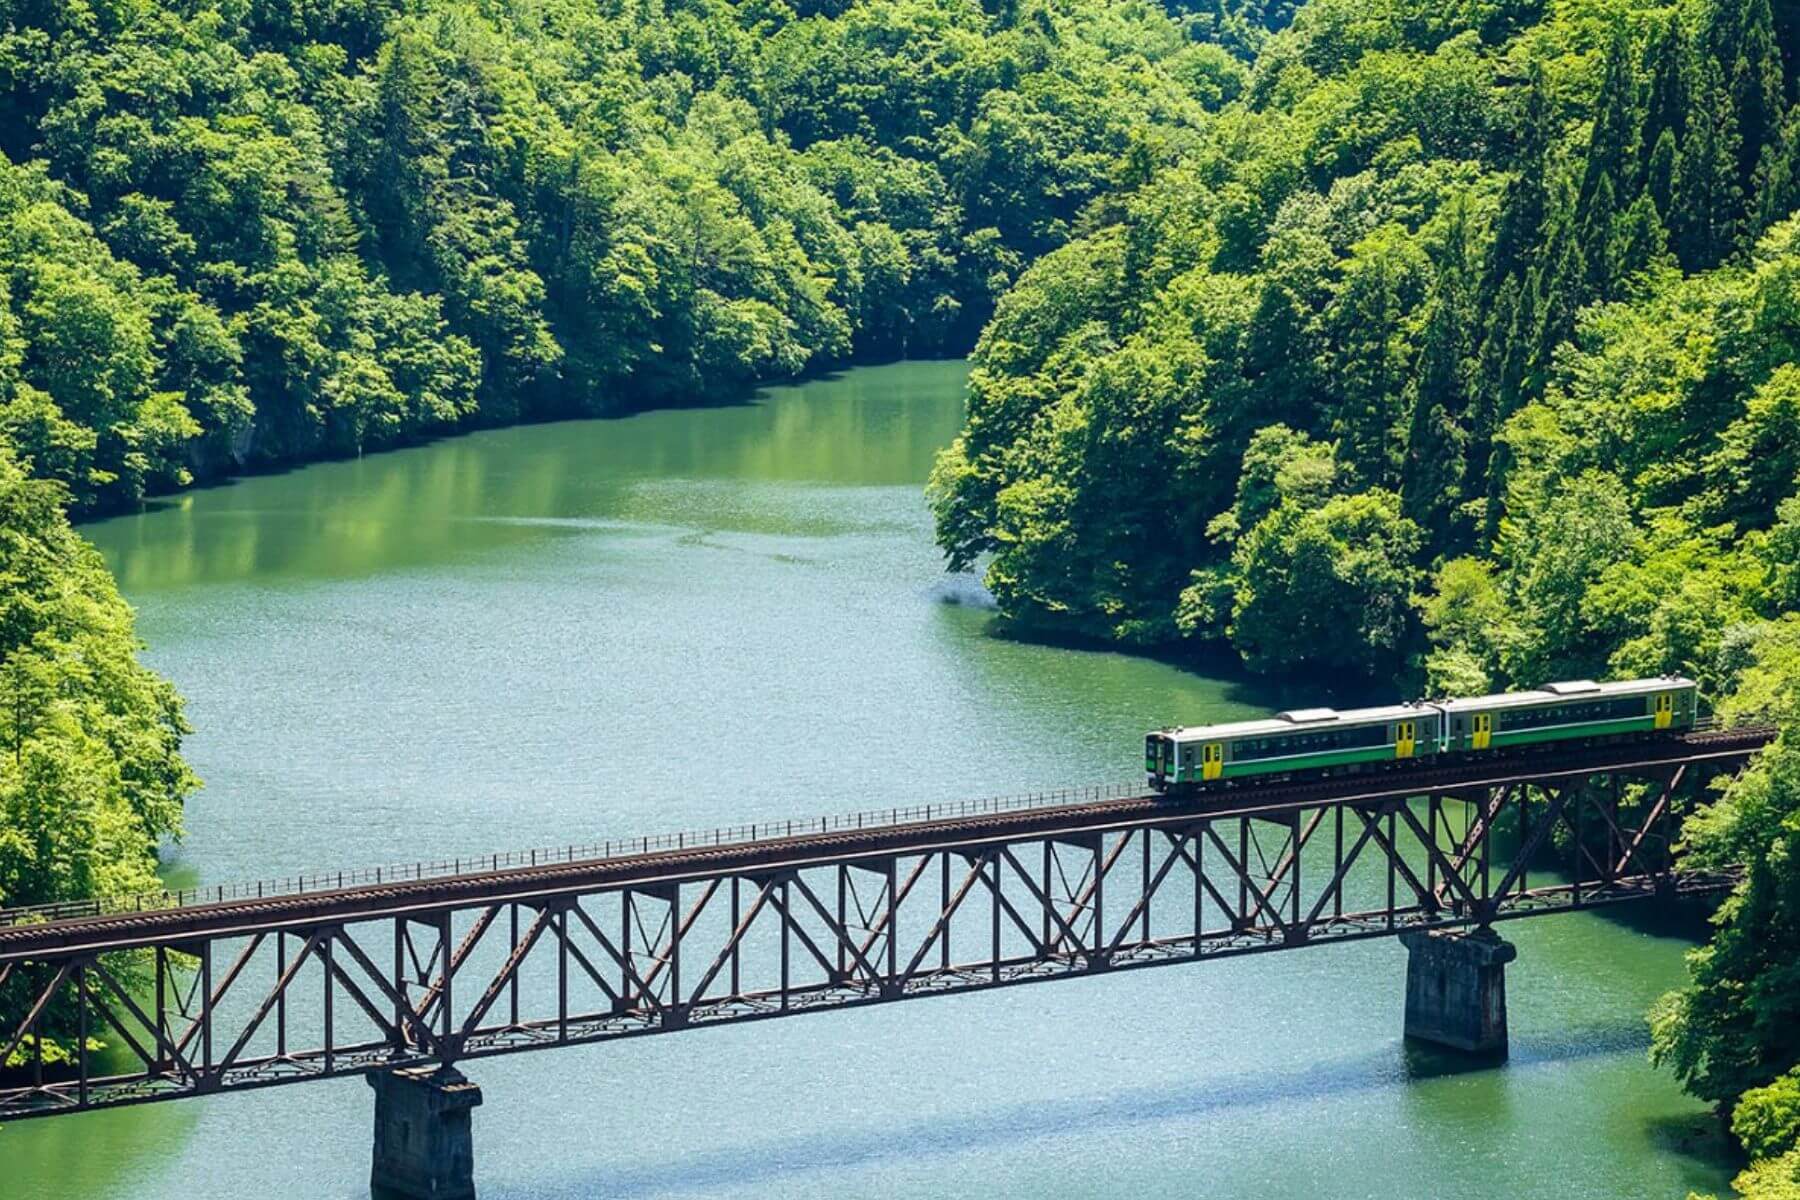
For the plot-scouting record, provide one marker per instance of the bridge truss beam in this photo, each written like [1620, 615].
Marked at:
[299, 998]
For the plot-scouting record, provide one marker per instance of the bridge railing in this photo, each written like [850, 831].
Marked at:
[613, 848]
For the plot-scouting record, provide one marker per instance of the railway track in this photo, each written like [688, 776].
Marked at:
[123, 930]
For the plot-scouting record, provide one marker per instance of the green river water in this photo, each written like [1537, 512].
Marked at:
[685, 619]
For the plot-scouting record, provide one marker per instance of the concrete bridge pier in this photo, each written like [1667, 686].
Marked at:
[424, 1148]
[1456, 989]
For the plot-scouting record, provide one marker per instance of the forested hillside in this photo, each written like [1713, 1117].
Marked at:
[91, 775]
[242, 233]
[1489, 307]
[238, 234]
[1436, 346]
[1459, 354]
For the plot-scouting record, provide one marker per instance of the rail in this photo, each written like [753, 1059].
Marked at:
[610, 849]
[450, 867]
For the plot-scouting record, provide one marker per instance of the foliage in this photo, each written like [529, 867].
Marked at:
[1332, 579]
[1733, 1033]
[1530, 271]
[91, 777]
[1766, 1120]
[1771, 1179]
[239, 234]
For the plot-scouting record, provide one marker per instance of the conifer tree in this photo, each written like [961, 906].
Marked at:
[1511, 380]
[1597, 226]
[1659, 174]
[1526, 199]
[1638, 240]
[1708, 202]
[1612, 145]
[1559, 287]
[1776, 185]
[1750, 64]
[1666, 94]
[1437, 441]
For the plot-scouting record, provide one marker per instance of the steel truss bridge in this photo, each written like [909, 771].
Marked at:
[254, 992]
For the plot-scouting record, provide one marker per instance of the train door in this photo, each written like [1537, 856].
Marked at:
[1664, 709]
[1404, 738]
[1483, 733]
[1212, 760]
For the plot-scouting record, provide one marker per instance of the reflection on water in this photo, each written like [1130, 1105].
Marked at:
[504, 489]
[585, 630]
[1011, 1126]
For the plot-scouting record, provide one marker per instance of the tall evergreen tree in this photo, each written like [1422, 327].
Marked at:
[1597, 225]
[1742, 36]
[1708, 202]
[1638, 239]
[1559, 286]
[1666, 94]
[1660, 174]
[1776, 187]
[1518, 308]
[1612, 153]
[1518, 230]
[1437, 440]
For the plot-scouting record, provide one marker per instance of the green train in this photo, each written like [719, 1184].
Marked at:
[1323, 741]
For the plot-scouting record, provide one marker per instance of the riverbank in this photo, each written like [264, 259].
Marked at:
[686, 619]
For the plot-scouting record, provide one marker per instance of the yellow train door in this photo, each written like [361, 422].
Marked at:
[1212, 760]
[1404, 739]
[1664, 710]
[1483, 731]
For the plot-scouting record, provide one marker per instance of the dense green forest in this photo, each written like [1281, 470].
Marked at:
[1493, 309]
[242, 233]
[239, 234]
[1444, 346]
[91, 774]
[1461, 349]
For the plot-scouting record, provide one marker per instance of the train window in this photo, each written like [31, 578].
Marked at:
[1614, 709]
[1357, 737]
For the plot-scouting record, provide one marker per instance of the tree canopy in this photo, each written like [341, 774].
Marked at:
[1452, 346]
[240, 234]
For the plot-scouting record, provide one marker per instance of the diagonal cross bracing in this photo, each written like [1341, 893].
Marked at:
[1180, 879]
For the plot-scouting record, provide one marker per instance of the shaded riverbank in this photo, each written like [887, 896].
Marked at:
[683, 619]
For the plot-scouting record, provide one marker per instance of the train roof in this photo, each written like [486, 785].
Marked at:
[1305, 719]
[1301, 720]
[1575, 689]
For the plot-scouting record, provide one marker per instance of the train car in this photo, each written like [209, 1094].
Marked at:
[1323, 741]
[1579, 710]
[1307, 740]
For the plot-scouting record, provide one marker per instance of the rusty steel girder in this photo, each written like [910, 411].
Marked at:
[209, 998]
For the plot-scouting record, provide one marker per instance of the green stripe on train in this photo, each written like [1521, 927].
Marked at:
[1426, 749]
[1302, 762]
[1529, 737]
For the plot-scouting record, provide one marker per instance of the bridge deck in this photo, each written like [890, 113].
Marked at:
[259, 992]
[536, 884]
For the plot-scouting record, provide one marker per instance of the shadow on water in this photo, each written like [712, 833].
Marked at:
[1212, 662]
[1685, 919]
[1699, 1136]
[1423, 1061]
[1401, 1065]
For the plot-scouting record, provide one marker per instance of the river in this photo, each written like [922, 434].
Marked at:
[681, 619]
